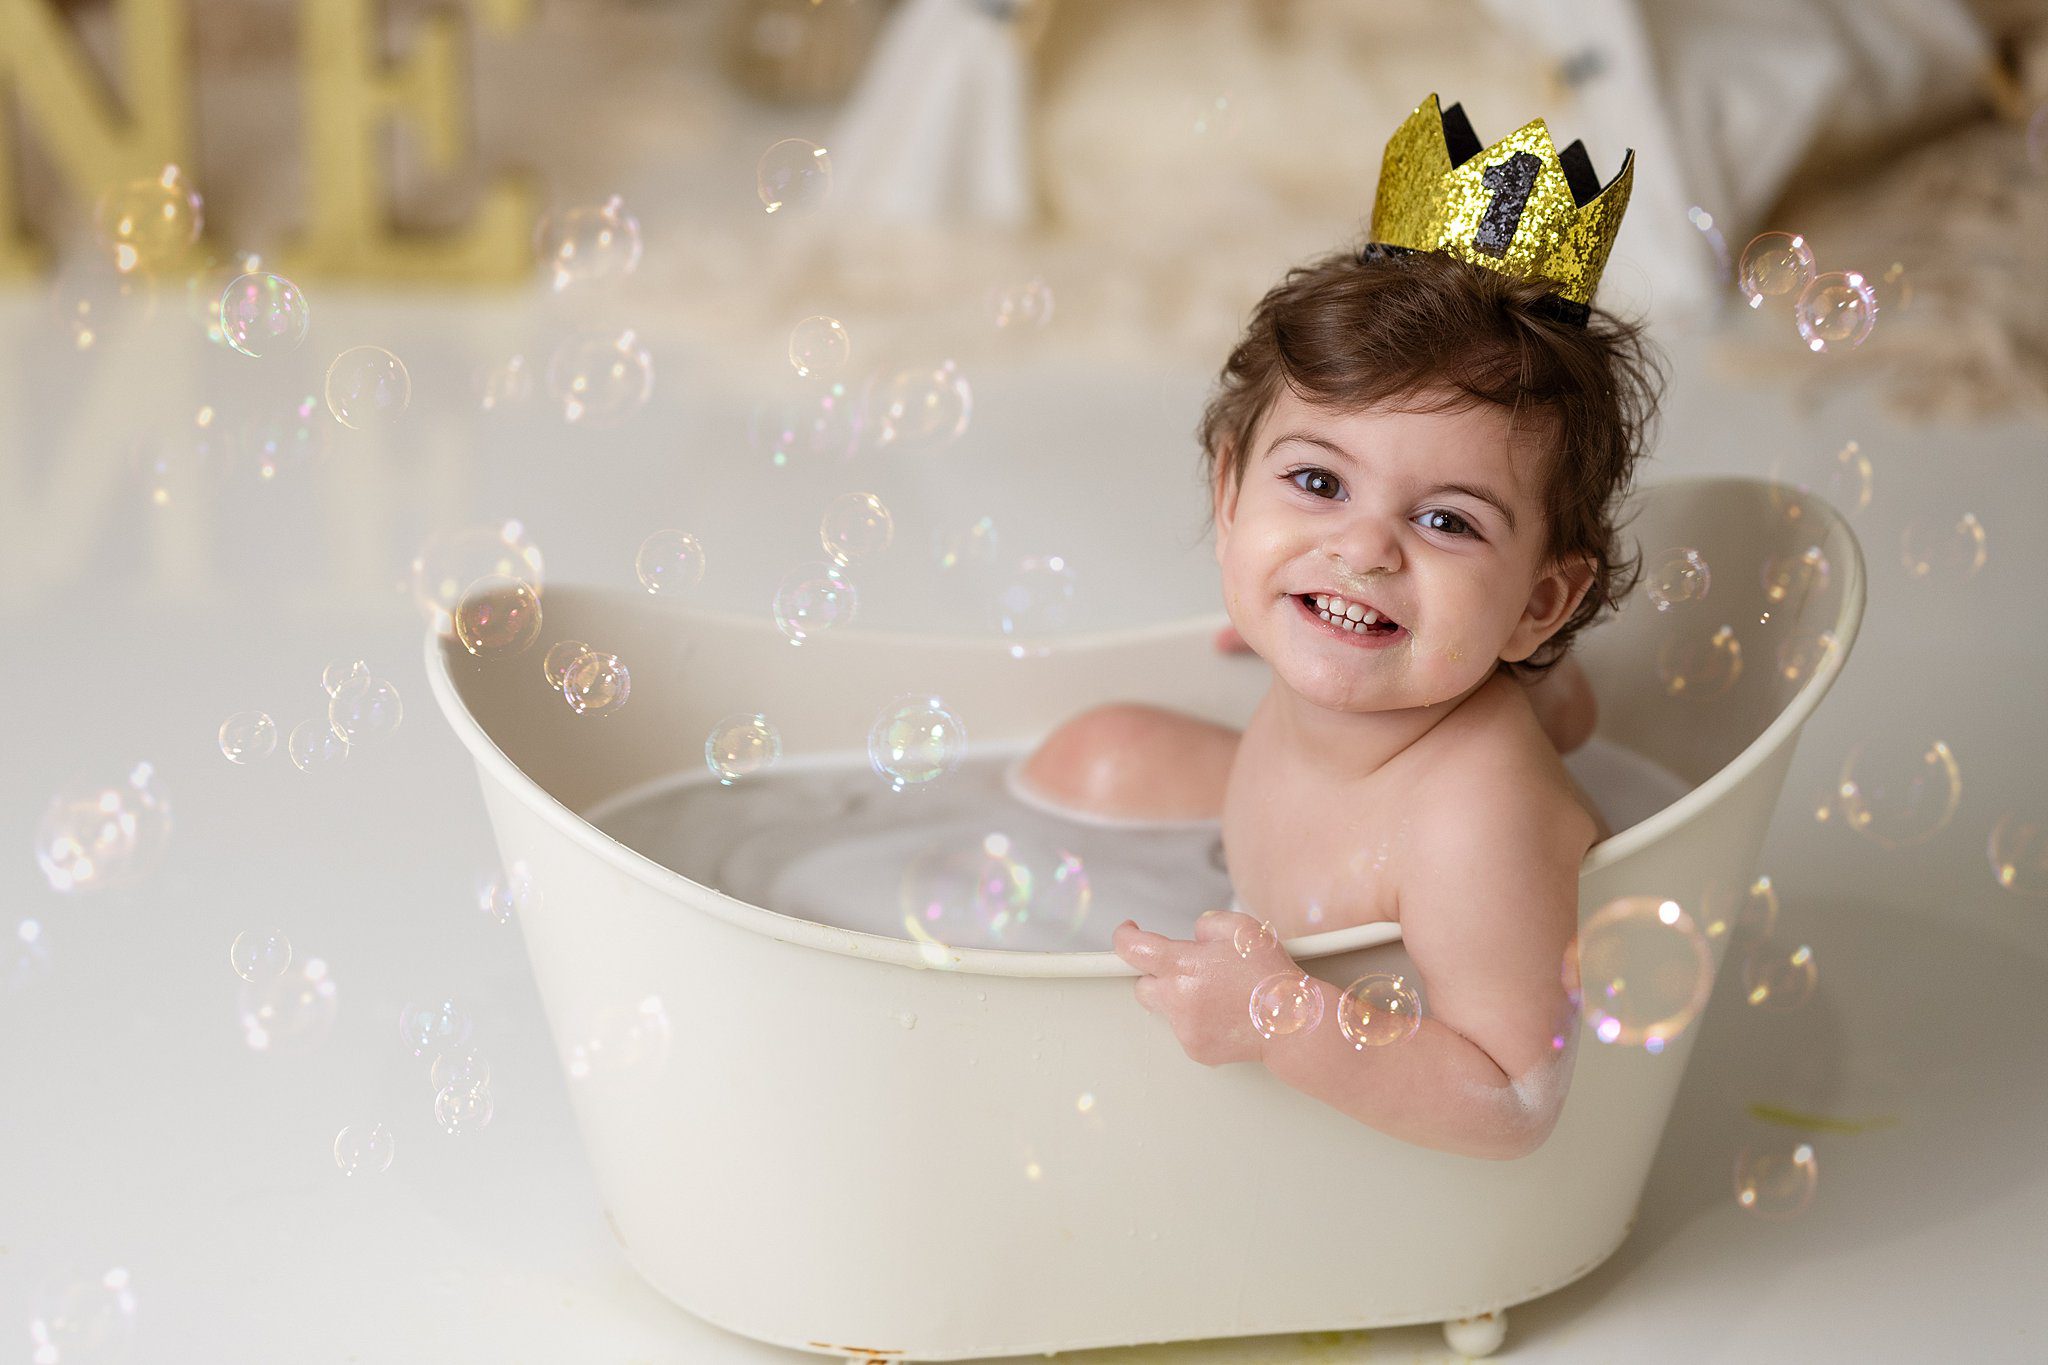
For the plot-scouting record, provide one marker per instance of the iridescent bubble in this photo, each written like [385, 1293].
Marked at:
[554, 665]
[507, 896]
[1897, 791]
[1021, 306]
[263, 314]
[1643, 971]
[818, 343]
[1779, 978]
[1943, 549]
[150, 224]
[1847, 479]
[1801, 655]
[364, 1149]
[450, 561]
[96, 837]
[438, 1026]
[95, 305]
[915, 739]
[259, 954]
[505, 385]
[993, 889]
[855, 526]
[365, 709]
[1747, 917]
[1776, 1179]
[1773, 264]
[367, 388]
[83, 1316]
[1699, 663]
[2019, 855]
[596, 683]
[812, 598]
[1253, 938]
[806, 425]
[315, 744]
[740, 746]
[1680, 576]
[339, 673]
[461, 1110]
[600, 379]
[967, 547]
[283, 435]
[793, 177]
[923, 406]
[463, 1067]
[669, 561]
[1835, 311]
[1789, 580]
[247, 736]
[1033, 602]
[1378, 1009]
[498, 615]
[290, 1013]
[597, 244]
[1286, 1003]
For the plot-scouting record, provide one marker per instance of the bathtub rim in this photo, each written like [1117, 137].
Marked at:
[496, 764]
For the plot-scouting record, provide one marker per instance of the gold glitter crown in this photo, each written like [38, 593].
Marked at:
[1520, 206]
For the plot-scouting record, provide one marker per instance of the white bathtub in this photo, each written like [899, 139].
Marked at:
[814, 1137]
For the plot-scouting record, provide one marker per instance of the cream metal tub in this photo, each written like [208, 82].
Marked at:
[781, 1155]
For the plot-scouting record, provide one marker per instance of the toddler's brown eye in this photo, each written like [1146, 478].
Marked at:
[1460, 526]
[1321, 482]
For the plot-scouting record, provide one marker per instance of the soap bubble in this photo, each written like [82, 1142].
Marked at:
[1699, 663]
[258, 955]
[2019, 855]
[591, 245]
[1776, 1179]
[1894, 289]
[505, 385]
[1033, 602]
[993, 889]
[1773, 264]
[449, 561]
[1681, 576]
[1378, 1009]
[149, 225]
[967, 547]
[283, 434]
[173, 461]
[498, 615]
[315, 744]
[596, 683]
[1643, 971]
[811, 598]
[793, 177]
[1286, 1003]
[855, 526]
[439, 1026]
[1801, 655]
[1021, 306]
[554, 665]
[1777, 978]
[247, 736]
[923, 406]
[1789, 580]
[364, 1149]
[740, 746]
[1846, 479]
[820, 423]
[290, 1013]
[24, 955]
[1253, 938]
[818, 343]
[82, 1316]
[263, 315]
[669, 561]
[1835, 311]
[1750, 917]
[1944, 549]
[600, 379]
[367, 387]
[108, 835]
[462, 1067]
[915, 739]
[339, 673]
[460, 1109]
[513, 893]
[1897, 791]
[365, 709]
[95, 305]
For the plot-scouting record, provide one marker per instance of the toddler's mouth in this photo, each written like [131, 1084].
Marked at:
[1354, 617]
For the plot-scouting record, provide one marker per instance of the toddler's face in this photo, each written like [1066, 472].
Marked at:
[1362, 506]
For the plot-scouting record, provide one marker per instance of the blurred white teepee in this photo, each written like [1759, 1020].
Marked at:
[937, 129]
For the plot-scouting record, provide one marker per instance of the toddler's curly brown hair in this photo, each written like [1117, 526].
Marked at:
[1360, 329]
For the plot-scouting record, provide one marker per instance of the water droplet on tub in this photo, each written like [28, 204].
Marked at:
[907, 1019]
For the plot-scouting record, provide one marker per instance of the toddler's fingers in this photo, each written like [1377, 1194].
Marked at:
[1147, 951]
[1147, 988]
[1220, 924]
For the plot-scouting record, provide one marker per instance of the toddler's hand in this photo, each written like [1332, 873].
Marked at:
[1202, 986]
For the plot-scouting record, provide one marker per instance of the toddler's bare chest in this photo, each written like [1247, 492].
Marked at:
[1312, 860]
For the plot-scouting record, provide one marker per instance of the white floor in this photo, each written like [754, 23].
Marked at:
[141, 1131]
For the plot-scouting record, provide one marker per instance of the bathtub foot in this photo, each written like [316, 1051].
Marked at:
[1480, 1336]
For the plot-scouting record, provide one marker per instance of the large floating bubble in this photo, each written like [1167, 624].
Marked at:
[813, 598]
[740, 746]
[450, 561]
[1286, 1003]
[915, 739]
[247, 736]
[991, 890]
[923, 407]
[96, 837]
[1379, 1009]
[292, 1012]
[793, 177]
[260, 954]
[669, 561]
[1898, 791]
[1835, 311]
[1776, 1179]
[855, 525]
[1642, 972]
[600, 379]
[498, 615]
[149, 225]
[1681, 575]
[1773, 265]
[364, 1149]
[594, 244]
[596, 683]
[263, 315]
[367, 388]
